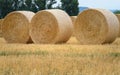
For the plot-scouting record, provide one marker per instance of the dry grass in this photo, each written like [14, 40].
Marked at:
[64, 59]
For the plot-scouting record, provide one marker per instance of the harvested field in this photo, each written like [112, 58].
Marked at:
[60, 59]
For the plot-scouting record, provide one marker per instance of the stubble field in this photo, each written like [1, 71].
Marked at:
[60, 59]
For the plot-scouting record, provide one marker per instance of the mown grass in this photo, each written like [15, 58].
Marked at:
[47, 53]
[60, 59]
[17, 53]
[59, 65]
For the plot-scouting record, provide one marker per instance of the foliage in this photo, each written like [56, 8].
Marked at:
[117, 12]
[7, 6]
[50, 3]
[41, 4]
[32, 6]
[45, 4]
[70, 6]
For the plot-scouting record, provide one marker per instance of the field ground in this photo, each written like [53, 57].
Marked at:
[60, 59]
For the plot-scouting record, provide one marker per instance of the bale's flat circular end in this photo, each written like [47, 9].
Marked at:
[50, 26]
[44, 27]
[16, 26]
[96, 26]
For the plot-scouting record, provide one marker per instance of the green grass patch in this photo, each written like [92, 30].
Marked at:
[115, 54]
[18, 53]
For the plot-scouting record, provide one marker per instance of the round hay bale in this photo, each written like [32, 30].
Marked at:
[51, 26]
[96, 26]
[118, 16]
[73, 18]
[16, 26]
[1, 21]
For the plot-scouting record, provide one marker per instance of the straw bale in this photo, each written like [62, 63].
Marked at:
[96, 26]
[51, 26]
[16, 26]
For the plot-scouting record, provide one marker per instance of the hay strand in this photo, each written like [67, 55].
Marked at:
[16, 26]
[96, 26]
[51, 26]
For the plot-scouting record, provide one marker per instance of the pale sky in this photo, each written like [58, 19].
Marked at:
[106, 4]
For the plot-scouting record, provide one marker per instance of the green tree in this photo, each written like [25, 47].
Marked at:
[5, 7]
[19, 5]
[32, 5]
[70, 6]
[50, 3]
[45, 4]
[117, 12]
[41, 4]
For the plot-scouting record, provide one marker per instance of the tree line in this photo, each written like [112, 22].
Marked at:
[7, 6]
[117, 12]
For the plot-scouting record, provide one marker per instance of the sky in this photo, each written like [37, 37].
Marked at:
[106, 4]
